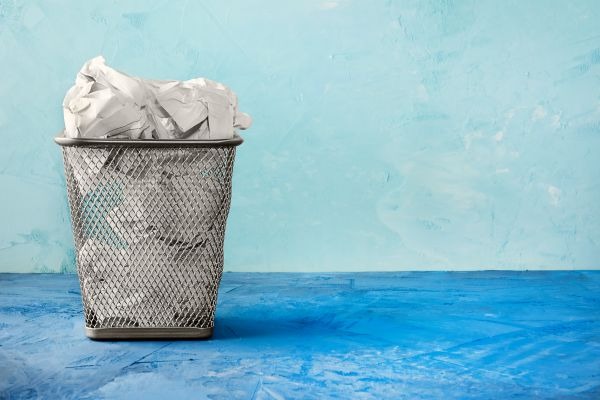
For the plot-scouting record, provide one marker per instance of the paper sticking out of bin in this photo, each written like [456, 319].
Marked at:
[106, 103]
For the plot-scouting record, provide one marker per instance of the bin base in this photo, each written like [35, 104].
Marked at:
[147, 333]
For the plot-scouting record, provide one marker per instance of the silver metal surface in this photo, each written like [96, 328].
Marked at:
[236, 140]
[148, 333]
[149, 224]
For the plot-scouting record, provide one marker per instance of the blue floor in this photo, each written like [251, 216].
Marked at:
[489, 335]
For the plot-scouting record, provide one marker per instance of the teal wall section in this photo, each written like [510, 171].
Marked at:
[388, 134]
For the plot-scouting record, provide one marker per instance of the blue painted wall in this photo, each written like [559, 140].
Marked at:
[387, 135]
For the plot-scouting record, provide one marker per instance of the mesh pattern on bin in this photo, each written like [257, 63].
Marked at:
[149, 226]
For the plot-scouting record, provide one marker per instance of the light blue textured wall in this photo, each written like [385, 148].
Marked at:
[387, 134]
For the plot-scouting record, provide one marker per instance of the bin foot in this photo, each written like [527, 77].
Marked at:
[147, 333]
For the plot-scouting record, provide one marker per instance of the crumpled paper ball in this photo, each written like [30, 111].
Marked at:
[106, 103]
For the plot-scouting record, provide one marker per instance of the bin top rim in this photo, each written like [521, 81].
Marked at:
[61, 140]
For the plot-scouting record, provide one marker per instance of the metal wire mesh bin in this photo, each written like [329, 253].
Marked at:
[148, 220]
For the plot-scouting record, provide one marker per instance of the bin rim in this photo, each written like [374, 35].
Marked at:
[61, 140]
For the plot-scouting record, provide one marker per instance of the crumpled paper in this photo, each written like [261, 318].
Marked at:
[106, 103]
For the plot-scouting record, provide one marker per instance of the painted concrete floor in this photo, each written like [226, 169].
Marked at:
[491, 335]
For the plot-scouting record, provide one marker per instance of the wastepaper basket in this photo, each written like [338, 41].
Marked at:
[148, 220]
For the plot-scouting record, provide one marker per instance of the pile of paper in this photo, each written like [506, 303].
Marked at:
[106, 103]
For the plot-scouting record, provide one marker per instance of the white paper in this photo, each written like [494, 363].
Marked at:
[106, 103]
